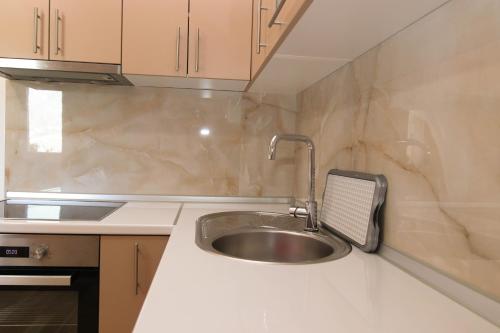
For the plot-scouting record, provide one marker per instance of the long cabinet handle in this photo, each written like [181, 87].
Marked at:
[259, 27]
[197, 60]
[178, 50]
[58, 21]
[35, 280]
[136, 264]
[36, 18]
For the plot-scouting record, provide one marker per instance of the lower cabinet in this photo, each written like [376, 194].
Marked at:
[127, 268]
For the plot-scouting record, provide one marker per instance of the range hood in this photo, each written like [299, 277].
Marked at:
[62, 71]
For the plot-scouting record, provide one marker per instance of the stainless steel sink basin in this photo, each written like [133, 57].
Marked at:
[267, 237]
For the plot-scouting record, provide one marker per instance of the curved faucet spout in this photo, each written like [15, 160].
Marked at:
[311, 219]
[288, 137]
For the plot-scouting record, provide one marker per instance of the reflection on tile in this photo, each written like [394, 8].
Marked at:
[145, 140]
[42, 212]
[44, 121]
[423, 109]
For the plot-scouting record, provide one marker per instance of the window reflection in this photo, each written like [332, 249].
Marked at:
[45, 120]
[45, 212]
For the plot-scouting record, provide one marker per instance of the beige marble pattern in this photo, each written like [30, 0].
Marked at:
[423, 108]
[96, 139]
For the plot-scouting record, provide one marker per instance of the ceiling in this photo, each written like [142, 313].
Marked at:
[330, 34]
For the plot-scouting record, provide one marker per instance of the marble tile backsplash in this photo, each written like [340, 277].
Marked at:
[77, 138]
[423, 108]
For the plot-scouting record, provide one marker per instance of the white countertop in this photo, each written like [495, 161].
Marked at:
[133, 218]
[196, 291]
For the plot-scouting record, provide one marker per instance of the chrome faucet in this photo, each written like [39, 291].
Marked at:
[310, 212]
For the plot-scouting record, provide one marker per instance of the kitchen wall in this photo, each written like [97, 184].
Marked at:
[80, 138]
[423, 108]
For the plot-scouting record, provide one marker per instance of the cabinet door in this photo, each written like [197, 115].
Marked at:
[127, 267]
[24, 29]
[220, 36]
[261, 10]
[87, 31]
[155, 35]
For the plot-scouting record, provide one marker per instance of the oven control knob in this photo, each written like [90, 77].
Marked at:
[40, 252]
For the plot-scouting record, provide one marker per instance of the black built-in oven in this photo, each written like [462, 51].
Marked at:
[49, 283]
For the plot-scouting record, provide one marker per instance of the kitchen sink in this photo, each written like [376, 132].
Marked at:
[267, 237]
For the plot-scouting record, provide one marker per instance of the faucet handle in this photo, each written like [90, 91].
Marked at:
[299, 212]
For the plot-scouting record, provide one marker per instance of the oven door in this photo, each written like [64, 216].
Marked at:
[43, 300]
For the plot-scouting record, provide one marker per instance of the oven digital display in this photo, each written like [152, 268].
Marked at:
[14, 252]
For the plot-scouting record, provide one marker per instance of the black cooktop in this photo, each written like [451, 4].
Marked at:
[60, 210]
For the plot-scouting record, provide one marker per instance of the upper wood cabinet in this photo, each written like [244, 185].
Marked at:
[128, 265]
[159, 41]
[220, 39]
[86, 30]
[24, 29]
[155, 37]
[200, 44]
